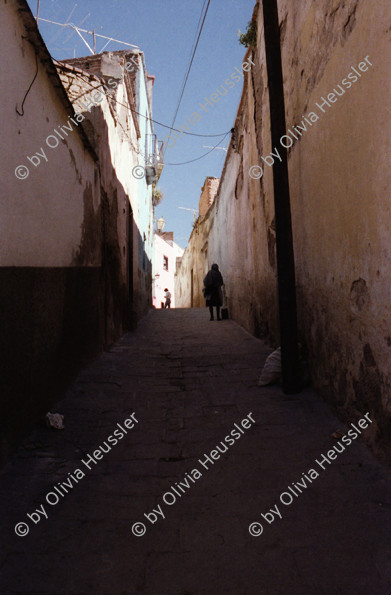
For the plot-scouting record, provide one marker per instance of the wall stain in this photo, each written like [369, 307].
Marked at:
[74, 163]
[368, 389]
[239, 180]
[359, 296]
[87, 253]
[334, 28]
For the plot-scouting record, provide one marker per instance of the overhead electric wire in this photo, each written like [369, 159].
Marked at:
[191, 62]
[191, 53]
[132, 110]
[202, 156]
[198, 24]
[221, 140]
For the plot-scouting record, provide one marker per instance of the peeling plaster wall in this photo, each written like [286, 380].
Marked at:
[340, 185]
[50, 224]
[119, 139]
[340, 181]
[42, 215]
[232, 235]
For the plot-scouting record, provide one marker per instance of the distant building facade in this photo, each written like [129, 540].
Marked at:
[167, 255]
[208, 194]
[113, 91]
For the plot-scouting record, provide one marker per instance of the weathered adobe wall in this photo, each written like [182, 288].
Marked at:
[42, 220]
[339, 180]
[194, 265]
[237, 233]
[98, 124]
[50, 298]
[110, 124]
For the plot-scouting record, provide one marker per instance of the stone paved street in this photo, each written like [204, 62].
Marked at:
[188, 381]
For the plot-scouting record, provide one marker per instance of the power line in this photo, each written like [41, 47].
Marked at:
[190, 56]
[198, 24]
[223, 134]
[190, 65]
[138, 113]
[202, 156]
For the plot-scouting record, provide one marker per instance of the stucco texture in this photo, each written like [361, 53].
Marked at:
[340, 180]
[339, 184]
[42, 215]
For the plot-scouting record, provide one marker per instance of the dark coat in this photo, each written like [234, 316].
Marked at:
[212, 292]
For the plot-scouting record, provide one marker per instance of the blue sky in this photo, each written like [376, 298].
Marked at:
[165, 31]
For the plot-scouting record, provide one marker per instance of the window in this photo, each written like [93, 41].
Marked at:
[165, 263]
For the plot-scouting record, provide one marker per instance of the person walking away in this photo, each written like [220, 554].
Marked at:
[212, 291]
[167, 295]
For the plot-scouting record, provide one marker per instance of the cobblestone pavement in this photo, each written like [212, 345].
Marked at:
[188, 381]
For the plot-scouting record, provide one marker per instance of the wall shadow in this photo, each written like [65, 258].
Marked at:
[55, 320]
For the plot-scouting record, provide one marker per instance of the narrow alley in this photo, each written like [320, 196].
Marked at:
[183, 384]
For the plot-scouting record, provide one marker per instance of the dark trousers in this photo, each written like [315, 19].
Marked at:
[217, 312]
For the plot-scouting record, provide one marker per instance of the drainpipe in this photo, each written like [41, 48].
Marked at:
[284, 238]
